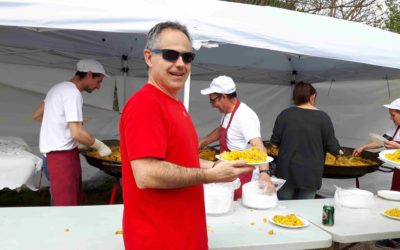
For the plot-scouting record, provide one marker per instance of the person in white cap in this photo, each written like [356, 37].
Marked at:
[393, 139]
[239, 128]
[393, 142]
[62, 130]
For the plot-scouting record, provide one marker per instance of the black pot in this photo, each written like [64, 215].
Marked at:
[110, 167]
[342, 172]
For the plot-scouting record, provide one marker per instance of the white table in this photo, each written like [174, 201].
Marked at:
[17, 165]
[94, 227]
[351, 225]
[61, 228]
[244, 228]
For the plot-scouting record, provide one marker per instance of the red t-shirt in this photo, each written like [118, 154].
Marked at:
[155, 125]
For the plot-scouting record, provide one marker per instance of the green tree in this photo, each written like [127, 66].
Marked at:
[393, 13]
[288, 4]
[369, 12]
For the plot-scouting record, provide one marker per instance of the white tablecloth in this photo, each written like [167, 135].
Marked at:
[246, 228]
[351, 225]
[94, 227]
[18, 166]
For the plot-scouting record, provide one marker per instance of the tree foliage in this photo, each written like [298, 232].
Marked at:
[291, 5]
[393, 13]
[371, 12]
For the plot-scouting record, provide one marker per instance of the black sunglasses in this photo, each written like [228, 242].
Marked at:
[173, 55]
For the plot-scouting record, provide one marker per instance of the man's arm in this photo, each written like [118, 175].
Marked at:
[155, 173]
[257, 142]
[210, 138]
[82, 136]
[206, 163]
[37, 115]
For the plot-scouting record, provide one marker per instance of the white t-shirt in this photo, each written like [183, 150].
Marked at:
[63, 104]
[244, 127]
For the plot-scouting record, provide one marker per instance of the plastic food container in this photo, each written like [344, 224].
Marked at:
[354, 198]
[254, 197]
[218, 197]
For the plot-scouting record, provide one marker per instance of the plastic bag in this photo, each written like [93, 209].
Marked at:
[263, 186]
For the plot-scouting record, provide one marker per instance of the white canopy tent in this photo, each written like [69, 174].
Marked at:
[354, 67]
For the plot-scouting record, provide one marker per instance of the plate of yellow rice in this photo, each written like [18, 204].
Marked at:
[391, 156]
[289, 221]
[251, 156]
[393, 213]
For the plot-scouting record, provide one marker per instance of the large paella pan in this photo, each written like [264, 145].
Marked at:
[345, 166]
[109, 164]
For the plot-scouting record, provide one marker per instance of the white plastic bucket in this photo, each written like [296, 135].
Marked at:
[218, 197]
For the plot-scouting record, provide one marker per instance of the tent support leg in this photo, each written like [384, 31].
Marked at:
[357, 183]
[114, 191]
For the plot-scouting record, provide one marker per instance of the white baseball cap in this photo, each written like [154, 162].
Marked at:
[220, 85]
[86, 65]
[393, 105]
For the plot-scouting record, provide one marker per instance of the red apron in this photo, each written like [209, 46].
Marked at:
[223, 146]
[396, 171]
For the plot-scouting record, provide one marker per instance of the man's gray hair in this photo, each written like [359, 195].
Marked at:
[154, 33]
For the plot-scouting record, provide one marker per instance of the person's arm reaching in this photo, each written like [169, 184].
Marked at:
[155, 173]
[210, 138]
[370, 145]
[80, 135]
[257, 142]
[37, 115]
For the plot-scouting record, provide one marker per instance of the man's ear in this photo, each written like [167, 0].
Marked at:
[147, 57]
[89, 75]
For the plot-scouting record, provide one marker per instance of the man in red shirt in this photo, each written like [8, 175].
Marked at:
[162, 174]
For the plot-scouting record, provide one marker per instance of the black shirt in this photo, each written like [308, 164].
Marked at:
[303, 136]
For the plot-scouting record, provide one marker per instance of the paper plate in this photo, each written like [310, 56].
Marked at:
[391, 217]
[269, 159]
[306, 222]
[382, 157]
[389, 195]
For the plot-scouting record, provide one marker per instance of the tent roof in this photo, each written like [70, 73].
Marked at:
[254, 43]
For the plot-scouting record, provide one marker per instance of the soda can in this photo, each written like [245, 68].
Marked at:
[328, 215]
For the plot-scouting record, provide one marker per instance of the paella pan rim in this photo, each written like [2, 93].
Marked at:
[335, 171]
[110, 167]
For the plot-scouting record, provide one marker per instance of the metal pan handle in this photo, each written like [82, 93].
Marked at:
[112, 164]
[385, 169]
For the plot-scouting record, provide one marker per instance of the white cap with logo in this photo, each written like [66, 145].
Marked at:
[220, 85]
[393, 105]
[86, 65]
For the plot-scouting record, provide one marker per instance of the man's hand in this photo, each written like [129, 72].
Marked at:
[102, 148]
[224, 171]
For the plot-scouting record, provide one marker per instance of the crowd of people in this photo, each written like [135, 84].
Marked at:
[162, 174]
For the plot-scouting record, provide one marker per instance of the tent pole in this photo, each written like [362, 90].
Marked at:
[388, 86]
[186, 94]
[125, 70]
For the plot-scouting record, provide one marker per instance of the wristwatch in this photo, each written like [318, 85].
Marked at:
[267, 171]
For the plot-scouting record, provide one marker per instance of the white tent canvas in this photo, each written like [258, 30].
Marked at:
[353, 66]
